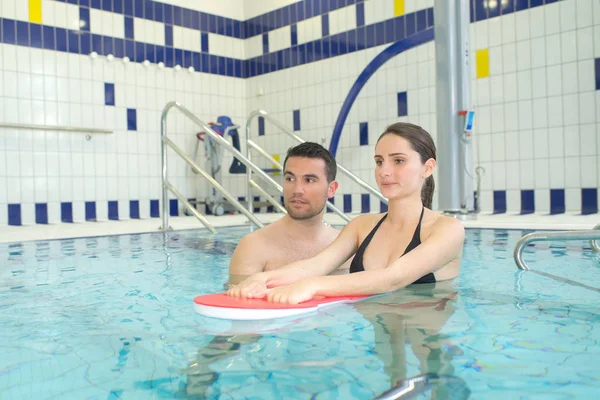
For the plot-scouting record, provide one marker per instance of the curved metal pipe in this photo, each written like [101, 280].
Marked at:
[592, 235]
[594, 243]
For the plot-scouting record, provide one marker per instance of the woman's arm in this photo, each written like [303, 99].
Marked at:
[342, 248]
[443, 245]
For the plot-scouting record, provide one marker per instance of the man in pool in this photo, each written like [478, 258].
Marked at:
[309, 180]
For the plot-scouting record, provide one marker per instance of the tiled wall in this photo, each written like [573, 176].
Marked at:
[325, 68]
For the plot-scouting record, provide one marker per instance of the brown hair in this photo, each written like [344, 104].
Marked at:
[314, 150]
[421, 142]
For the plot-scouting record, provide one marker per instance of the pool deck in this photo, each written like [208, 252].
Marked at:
[105, 228]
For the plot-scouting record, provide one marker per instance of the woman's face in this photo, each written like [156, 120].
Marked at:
[398, 168]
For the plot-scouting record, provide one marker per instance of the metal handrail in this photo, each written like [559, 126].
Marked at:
[342, 169]
[591, 235]
[411, 387]
[54, 128]
[165, 141]
[278, 165]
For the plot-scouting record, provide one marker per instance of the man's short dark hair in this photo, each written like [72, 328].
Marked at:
[314, 150]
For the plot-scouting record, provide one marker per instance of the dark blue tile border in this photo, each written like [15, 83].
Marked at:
[383, 208]
[134, 209]
[14, 214]
[131, 119]
[113, 210]
[363, 130]
[557, 201]
[296, 122]
[589, 201]
[347, 203]
[261, 126]
[41, 213]
[527, 201]
[365, 203]
[66, 212]
[109, 94]
[154, 211]
[499, 201]
[90, 211]
[402, 104]
[173, 208]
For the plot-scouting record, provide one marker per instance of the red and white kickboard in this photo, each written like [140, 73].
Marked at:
[235, 308]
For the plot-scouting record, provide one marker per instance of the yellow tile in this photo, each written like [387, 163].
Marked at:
[277, 158]
[398, 7]
[35, 11]
[482, 63]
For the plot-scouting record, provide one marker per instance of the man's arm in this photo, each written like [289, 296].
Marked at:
[247, 259]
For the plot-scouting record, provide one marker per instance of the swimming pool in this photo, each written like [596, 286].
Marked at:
[112, 317]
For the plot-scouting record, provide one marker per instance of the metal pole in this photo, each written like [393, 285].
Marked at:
[163, 160]
[453, 95]
[249, 198]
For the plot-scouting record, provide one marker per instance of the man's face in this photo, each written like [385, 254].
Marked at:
[305, 187]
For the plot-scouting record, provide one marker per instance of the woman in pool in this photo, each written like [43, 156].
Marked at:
[409, 244]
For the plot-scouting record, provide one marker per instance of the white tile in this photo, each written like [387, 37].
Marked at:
[508, 28]
[542, 200]
[498, 144]
[311, 29]
[107, 23]
[481, 35]
[584, 13]
[586, 76]
[483, 91]
[280, 39]
[27, 214]
[485, 147]
[572, 141]
[526, 174]
[497, 114]
[538, 83]
[252, 46]
[568, 47]
[483, 120]
[555, 111]
[189, 39]
[555, 142]
[101, 211]
[538, 52]
[552, 18]
[494, 32]
[553, 49]
[509, 58]
[587, 138]
[569, 78]
[61, 15]
[54, 212]
[540, 143]
[542, 179]
[537, 22]
[513, 181]
[27, 190]
[589, 171]
[525, 117]
[568, 18]
[587, 108]
[78, 211]
[510, 87]
[499, 176]
[124, 210]
[524, 85]
[572, 172]
[148, 31]
[573, 200]
[495, 54]
[378, 10]
[342, 20]
[526, 144]
[585, 43]
[554, 80]
[496, 89]
[557, 172]
[511, 117]
[524, 27]
[8, 9]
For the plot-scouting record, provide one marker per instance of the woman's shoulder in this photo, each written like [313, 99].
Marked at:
[440, 222]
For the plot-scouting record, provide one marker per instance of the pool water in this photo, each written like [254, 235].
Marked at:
[112, 317]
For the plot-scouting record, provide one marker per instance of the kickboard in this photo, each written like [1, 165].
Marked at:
[235, 308]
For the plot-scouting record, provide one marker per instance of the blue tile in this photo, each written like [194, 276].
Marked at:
[41, 213]
[557, 201]
[109, 94]
[149, 9]
[239, 68]
[261, 126]
[499, 201]
[187, 59]
[85, 43]
[521, 5]
[294, 34]
[159, 15]
[186, 18]
[129, 30]
[298, 13]
[389, 30]
[204, 61]
[96, 4]
[332, 201]
[107, 5]
[430, 17]
[140, 52]
[22, 33]
[168, 14]
[399, 28]
[108, 45]
[325, 24]
[379, 30]
[130, 49]
[128, 7]
[154, 212]
[173, 209]
[237, 29]
[73, 42]
[119, 48]
[131, 119]
[383, 208]
[118, 6]
[310, 52]
[97, 42]
[535, 3]
[85, 3]
[365, 203]
[134, 209]
[351, 41]
[296, 120]
[203, 22]
[364, 133]
[589, 201]
[196, 62]
[360, 14]
[84, 19]
[204, 42]
[411, 24]
[265, 43]
[527, 201]
[90, 211]
[66, 212]
[61, 39]
[421, 20]
[35, 32]
[138, 8]
[481, 11]
[113, 210]
[347, 203]
[597, 70]
[402, 104]
[48, 37]
[195, 20]
[14, 214]
[212, 23]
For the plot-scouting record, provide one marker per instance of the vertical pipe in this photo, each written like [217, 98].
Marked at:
[450, 167]
[163, 160]
[249, 200]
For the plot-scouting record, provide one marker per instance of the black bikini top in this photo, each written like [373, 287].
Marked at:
[357, 263]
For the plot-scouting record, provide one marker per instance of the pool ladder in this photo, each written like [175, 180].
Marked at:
[245, 159]
[592, 235]
[411, 387]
